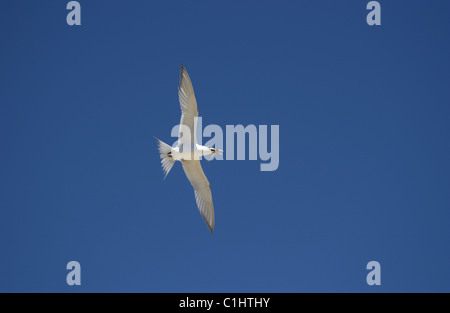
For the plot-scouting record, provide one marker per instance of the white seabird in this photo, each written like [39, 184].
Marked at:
[188, 152]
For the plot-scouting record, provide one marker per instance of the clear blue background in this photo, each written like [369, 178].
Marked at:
[364, 169]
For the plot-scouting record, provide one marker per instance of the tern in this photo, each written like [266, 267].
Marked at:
[188, 152]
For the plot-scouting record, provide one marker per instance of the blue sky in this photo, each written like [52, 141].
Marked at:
[364, 146]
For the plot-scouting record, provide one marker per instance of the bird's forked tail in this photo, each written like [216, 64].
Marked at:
[165, 152]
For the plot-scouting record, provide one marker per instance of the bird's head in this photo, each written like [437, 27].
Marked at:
[214, 151]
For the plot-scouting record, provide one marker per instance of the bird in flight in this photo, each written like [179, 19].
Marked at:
[188, 152]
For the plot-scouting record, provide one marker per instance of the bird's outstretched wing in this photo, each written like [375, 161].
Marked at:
[189, 110]
[202, 189]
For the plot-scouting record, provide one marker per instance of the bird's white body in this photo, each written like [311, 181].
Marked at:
[194, 153]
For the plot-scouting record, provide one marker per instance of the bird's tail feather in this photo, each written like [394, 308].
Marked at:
[166, 157]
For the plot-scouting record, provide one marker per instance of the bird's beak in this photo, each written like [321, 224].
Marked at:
[219, 151]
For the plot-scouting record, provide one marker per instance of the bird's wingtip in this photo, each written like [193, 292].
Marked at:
[182, 71]
[211, 227]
